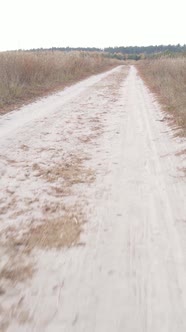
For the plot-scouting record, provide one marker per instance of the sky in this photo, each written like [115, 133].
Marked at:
[90, 23]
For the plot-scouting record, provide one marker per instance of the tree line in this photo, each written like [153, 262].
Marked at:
[146, 49]
[122, 49]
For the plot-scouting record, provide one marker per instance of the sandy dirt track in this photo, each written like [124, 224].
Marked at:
[92, 212]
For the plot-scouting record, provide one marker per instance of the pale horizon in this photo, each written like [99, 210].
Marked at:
[47, 24]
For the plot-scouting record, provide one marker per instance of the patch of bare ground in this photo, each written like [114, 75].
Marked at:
[70, 172]
[181, 153]
[7, 205]
[183, 171]
[57, 233]
[14, 313]
[96, 131]
[61, 232]
[17, 268]
[16, 271]
[50, 233]
[60, 227]
[62, 176]
[59, 213]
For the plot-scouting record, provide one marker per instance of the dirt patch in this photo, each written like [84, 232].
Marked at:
[58, 191]
[59, 227]
[58, 233]
[14, 271]
[8, 205]
[14, 313]
[71, 172]
[60, 224]
[181, 153]
[51, 233]
[46, 205]
[17, 247]
[183, 171]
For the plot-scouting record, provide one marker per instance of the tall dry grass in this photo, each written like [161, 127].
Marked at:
[167, 78]
[24, 75]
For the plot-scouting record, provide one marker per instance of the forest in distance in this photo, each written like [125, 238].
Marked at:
[122, 49]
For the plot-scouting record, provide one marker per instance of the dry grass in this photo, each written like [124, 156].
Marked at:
[58, 233]
[15, 272]
[49, 233]
[71, 172]
[25, 75]
[167, 78]
[60, 226]
[16, 312]
[181, 153]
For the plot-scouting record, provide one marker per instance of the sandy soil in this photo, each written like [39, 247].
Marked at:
[92, 212]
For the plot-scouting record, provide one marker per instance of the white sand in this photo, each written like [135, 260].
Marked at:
[131, 274]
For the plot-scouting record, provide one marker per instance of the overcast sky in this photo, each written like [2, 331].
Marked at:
[99, 23]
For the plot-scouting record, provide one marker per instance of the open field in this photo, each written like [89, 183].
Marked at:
[26, 75]
[167, 78]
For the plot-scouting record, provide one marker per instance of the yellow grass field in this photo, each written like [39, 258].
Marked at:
[26, 75]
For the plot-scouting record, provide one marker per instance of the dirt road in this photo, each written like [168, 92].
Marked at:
[93, 212]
